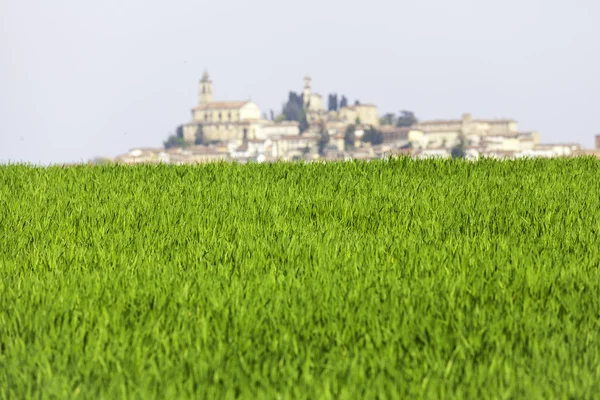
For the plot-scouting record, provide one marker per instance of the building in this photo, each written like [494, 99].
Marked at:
[313, 102]
[288, 146]
[399, 136]
[234, 121]
[364, 114]
[590, 152]
[447, 132]
[498, 135]
[551, 150]
[271, 129]
[144, 156]
[215, 121]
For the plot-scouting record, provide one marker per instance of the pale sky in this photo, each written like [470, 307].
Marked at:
[81, 78]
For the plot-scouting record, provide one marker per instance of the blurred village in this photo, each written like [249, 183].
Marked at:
[308, 129]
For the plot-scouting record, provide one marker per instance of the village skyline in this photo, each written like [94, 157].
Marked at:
[309, 128]
[73, 89]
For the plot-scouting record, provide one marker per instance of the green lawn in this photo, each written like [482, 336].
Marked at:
[388, 279]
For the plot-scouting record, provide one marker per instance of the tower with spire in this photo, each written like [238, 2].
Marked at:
[205, 95]
[306, 93]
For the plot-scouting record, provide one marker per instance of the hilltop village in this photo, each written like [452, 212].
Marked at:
[308, 130]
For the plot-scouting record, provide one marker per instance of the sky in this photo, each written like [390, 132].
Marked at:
[81, 79]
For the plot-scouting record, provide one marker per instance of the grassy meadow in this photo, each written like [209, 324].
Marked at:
[383, 279]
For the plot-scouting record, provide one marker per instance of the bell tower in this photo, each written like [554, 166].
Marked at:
[205, 95]
[306, 92]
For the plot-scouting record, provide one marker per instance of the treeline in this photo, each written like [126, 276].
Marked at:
[402, 120]
[293, 110]
[176, 140]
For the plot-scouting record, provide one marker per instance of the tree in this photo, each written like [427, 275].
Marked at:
[293, 110]
[388, 119]
[323, 140]
[332, 102]
[296, 99]
[179, 131]
[357, 102]
[343, 102]
[406, 119]
[350, 137]
[174, 141]
[372, 136]
[459, 150]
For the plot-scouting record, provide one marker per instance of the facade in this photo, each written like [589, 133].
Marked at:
[364, 114]
[144, 156]
[551, 150]
[197, 155]
[498, 135]
[218, 121]
[469, 126]
[223, 121]
[288, 146]
[270, 129]
[312, 101]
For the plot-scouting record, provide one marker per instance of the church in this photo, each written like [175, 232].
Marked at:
[218, 121]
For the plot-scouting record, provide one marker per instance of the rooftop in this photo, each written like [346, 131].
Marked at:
[352, 107]
[222, 105]
[459, 121]
[296, 137]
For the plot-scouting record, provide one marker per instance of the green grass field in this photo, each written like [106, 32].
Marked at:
[386, 279]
